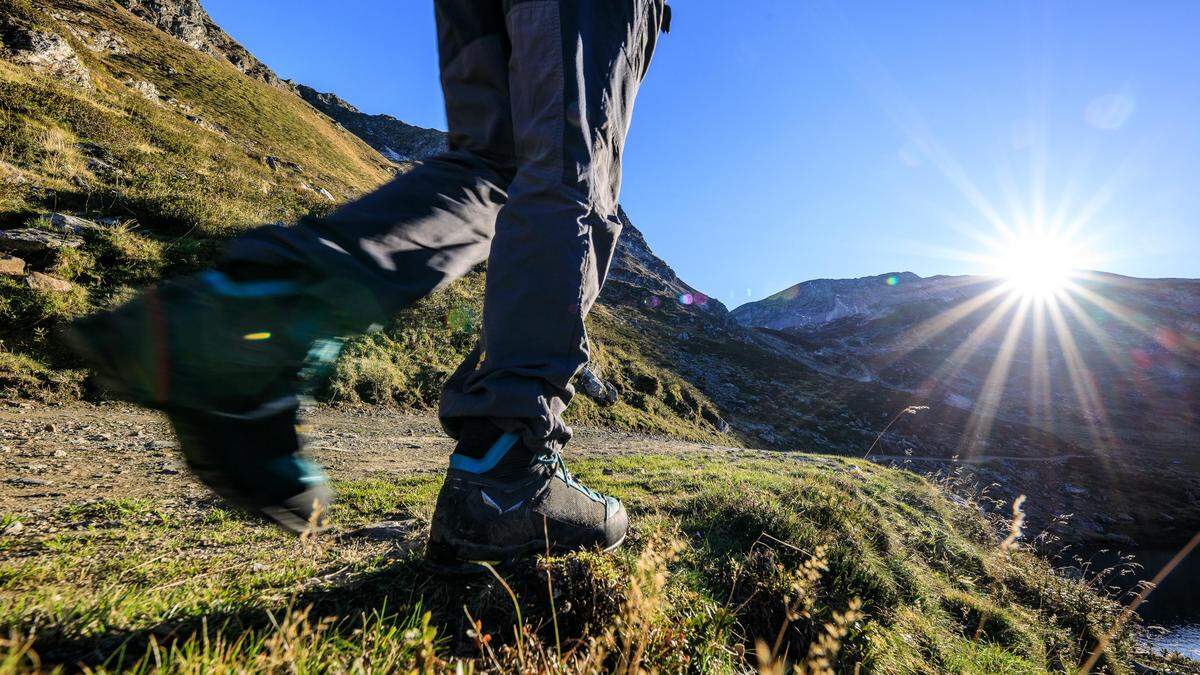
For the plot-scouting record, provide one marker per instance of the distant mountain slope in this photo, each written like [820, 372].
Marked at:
[1118, 356]
[821, 301]
[395, 140]
[1112, 367]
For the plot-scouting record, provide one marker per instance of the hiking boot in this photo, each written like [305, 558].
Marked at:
[208, 342]
[255, 463]
[507, 502]
[226, 360]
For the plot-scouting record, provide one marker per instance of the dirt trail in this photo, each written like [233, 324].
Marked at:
[891, 459]
[56, 455]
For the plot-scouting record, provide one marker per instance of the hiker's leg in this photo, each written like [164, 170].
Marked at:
[432, 224]
[574, 72]
[422, 230]
[575, 68]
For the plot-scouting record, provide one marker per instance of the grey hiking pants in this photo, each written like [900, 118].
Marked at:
[539, 95]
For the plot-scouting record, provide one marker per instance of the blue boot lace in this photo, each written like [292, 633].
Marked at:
[556, 463]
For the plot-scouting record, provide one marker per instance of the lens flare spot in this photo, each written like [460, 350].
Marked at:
[686, 298]
[256, 337]
[892, 280]
[653, 302]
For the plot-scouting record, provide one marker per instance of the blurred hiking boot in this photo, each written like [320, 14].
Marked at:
[226, 360]
[255, 464]
[208, 342]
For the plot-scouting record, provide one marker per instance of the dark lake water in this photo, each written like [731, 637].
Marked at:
[1175, 604]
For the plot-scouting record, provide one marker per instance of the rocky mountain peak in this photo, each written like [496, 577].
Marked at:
[820, 301]
[637, 266]
[188, 21]
[395, 140]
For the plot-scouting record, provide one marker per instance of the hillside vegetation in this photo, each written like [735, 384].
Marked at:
[836, 565]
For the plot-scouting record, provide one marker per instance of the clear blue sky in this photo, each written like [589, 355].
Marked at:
[786, 140]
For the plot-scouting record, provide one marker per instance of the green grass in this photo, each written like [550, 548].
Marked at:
[719, 546]
[406, 363]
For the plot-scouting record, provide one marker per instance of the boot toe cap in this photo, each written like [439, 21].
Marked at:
[616, 523]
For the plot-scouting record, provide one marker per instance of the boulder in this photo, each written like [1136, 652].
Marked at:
[30, 240]
[278, 164]
[318, 190]
[11, 266]
[45, 52]
[595, 388]
[45, 282]
[147, 90]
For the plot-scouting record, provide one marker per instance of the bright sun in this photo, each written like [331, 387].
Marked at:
[1037, 265]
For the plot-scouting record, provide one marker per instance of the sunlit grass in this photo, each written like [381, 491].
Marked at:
[826, 562]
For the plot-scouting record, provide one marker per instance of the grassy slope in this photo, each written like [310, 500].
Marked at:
[722, 543]
[180, 187]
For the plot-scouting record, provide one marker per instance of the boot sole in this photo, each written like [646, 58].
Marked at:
[474, 568]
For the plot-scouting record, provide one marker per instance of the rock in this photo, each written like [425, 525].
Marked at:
[96, 165]
[44, 52]
[11, 266]
[723, 426]
[595, 388]
[402, 532]
[1070, 572]
[11, 175]
[278, 164]
[30, 240]
[146, 89]
[107, 43]
[21, 481]
[319, 190]
[1075, 490]
[206, 125]
[69, 224]
[15, 527]
[44, 282]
